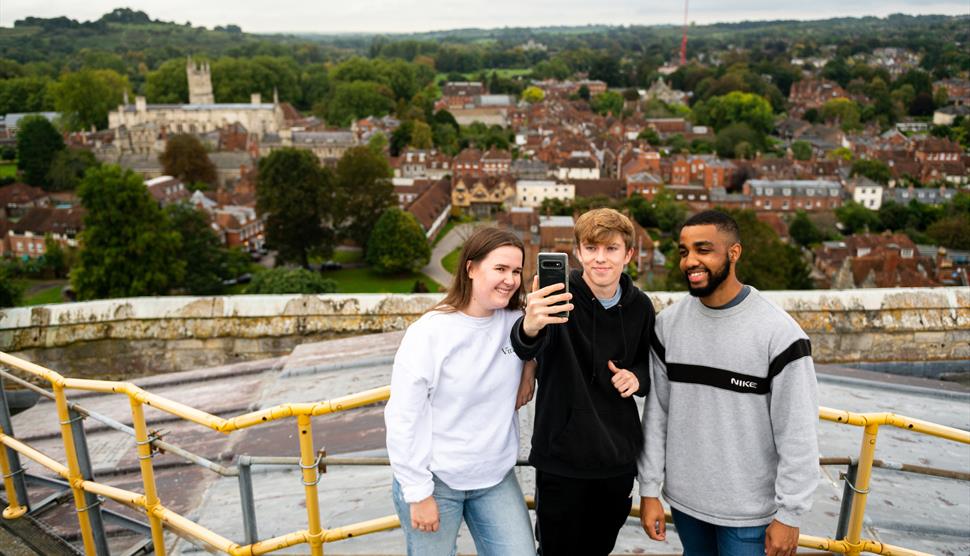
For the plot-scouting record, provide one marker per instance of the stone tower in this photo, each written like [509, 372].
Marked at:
[200, 83]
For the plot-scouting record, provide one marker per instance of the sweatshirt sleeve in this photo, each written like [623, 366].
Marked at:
[794, 424]
[527, 348]
[641, 364]
[407, 417]
[651, 464]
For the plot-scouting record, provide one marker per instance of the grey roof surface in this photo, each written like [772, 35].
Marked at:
[919, 512]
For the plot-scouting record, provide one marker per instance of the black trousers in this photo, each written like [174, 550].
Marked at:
[580, 516]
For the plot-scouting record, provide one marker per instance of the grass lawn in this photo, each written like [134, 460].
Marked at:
[8, 169]
[364, 280]
[42, 292]
[502, 72]
[348, 256]
[450, 261]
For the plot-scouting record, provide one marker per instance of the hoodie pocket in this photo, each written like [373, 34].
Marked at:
[594, 439]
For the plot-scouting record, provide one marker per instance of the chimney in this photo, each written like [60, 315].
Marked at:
[255, 98]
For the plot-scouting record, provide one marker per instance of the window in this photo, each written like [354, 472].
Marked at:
[862, 251]
[907, 253]
[767, 205]
[786, 192]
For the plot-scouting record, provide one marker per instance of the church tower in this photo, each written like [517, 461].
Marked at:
[200, 82]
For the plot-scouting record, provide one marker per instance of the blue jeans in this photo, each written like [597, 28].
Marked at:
[705, 539]
[496, 517]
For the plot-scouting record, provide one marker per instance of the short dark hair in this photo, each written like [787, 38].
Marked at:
[723, 221]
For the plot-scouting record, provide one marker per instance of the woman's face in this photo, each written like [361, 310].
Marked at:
[495, 279]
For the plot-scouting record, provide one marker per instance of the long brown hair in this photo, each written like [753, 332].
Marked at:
[482, 242]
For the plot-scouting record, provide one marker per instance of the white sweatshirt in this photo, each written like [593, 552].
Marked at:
[452, 407]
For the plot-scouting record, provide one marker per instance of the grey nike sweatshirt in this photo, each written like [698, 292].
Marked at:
[730, 421]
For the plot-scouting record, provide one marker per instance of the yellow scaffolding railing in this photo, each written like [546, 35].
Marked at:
[315, 535]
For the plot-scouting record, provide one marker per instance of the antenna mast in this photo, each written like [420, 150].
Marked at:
[683, 41]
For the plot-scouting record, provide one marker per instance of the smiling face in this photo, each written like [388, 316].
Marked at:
[707, 258]
[603, 263]
[495, 279]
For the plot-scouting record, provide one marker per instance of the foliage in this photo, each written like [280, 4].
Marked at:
[397, 243]
[25, 94]
[207, 263]
[290, 280]
[734, 108]
[185, 158]
[804, 231]
[801, 150]
[952, 232]
[738, 141]
[842, 111]
[129, 246]
[421, 137]
[11, 289]
[357, 99]
[856, 218]
[533, 95]
[37, 144]
[875, 170]
[68, 167]
[85, 97]
[168, 83]
[609, 102]
[662, 212]
[363, 192]
[295, 195]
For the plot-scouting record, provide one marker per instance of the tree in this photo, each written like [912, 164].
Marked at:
[206, 262]
[801, 150]
[876, 170]
[168, 83]
[55, 259]
[856, 218]
[185, 158]
[290, 280]
[650, 135]
[533, 94]
[842, 111]
[583, 93]
[378, 142]
[397, 243]
[804, 231]
[358, 99]
[731, 137]
[37, 144]
[84, 98]
[952, 232]
[609, 102]
[11, 289]
[421, 137]
[363, 192]
[129, 246]
[68, 167]
[734, 108]
[296, 196]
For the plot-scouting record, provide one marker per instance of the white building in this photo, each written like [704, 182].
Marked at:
[531, 193]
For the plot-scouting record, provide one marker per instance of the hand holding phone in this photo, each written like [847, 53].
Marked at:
[549, 301]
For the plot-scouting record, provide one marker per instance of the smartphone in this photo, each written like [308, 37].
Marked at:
[553, 269]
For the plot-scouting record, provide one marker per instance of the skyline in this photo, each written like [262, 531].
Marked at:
[414, 16]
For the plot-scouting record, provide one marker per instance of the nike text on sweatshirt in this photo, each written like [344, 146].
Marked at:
[731, 421]
[452, 407]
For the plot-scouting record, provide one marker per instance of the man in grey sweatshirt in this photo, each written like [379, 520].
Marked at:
[730, 422]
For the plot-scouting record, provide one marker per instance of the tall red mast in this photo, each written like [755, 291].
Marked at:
[683, 41]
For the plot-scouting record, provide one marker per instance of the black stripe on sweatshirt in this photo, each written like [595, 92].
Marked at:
[718, 378]
[798, 349]
[658, 348]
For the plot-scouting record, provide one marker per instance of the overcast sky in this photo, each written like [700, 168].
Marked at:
[330, 16]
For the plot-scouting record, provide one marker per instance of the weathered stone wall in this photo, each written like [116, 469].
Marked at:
[150, 335]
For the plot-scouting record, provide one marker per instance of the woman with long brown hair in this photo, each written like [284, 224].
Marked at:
[452, 428]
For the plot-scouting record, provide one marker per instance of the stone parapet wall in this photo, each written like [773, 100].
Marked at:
[149, 335]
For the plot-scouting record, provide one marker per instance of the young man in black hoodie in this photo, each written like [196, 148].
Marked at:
[587, 434]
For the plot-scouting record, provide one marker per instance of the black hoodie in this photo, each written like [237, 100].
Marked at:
[583, 428]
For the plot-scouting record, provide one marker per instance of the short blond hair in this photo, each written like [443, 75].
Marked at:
[599, 225]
